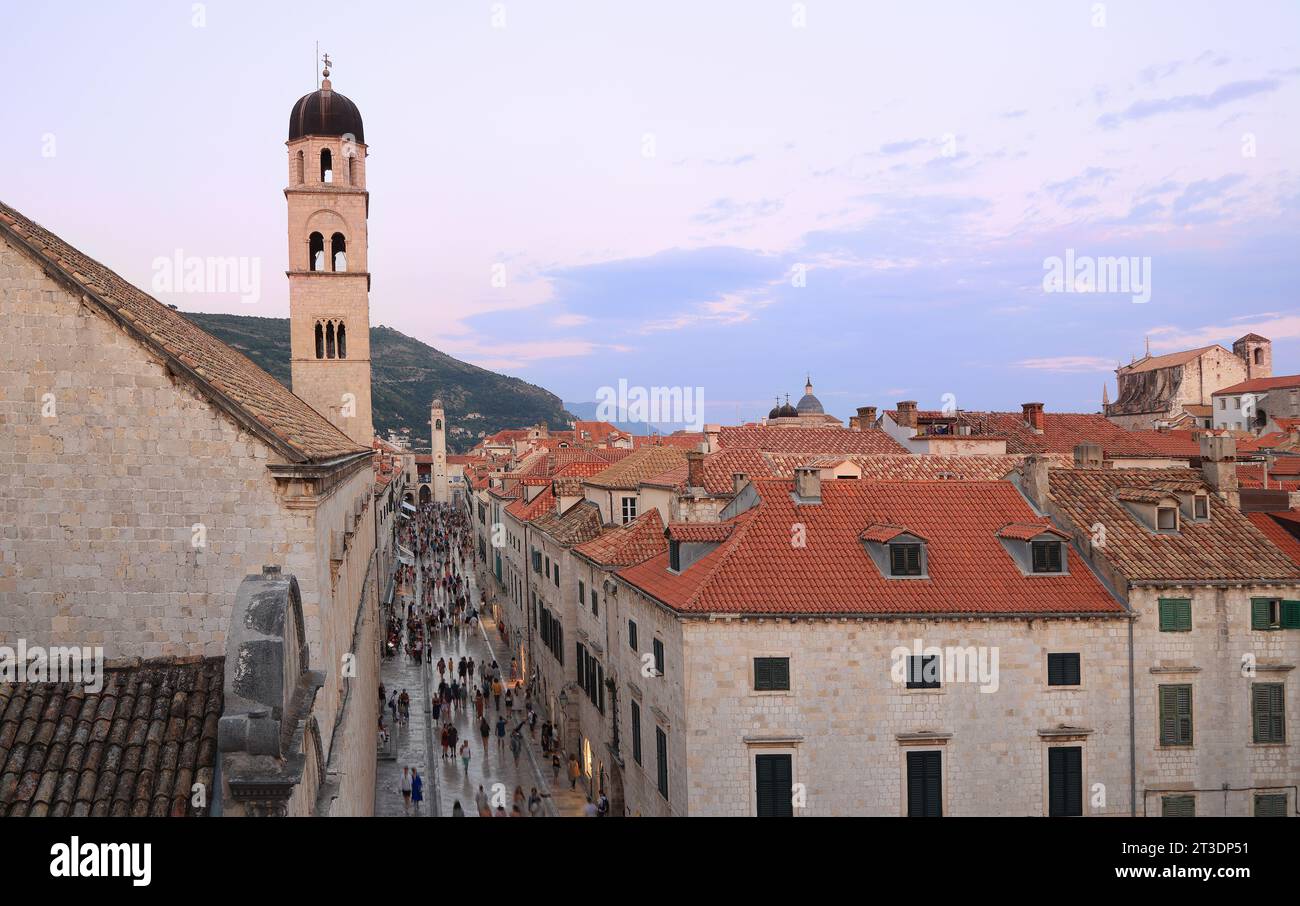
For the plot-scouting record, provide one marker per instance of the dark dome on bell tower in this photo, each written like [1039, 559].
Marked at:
[325, 112]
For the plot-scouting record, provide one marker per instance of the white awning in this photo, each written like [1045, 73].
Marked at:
[407, 506]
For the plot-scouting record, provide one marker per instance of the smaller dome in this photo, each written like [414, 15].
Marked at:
[775, 413]
[787, 411]
[325, 112]
[437, 404]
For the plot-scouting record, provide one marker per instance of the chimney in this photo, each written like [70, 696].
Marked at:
[738, 481]
[1033, 413]
[711, 433]
[808, 484]
[1034, 480]
[906, 414]
[1219, 464]
[1087, 456]
[865, 418]
[694, 469]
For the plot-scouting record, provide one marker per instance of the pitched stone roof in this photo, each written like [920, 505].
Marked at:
[1225, 548]
[757, 569]
[226, 377]
[135, 748]
[1168, 360]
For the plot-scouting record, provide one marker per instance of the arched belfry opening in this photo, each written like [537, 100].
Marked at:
[329, 340]
[338, 252]
[341, 338]
[316, 252]
[326, 165]
[320, 340]
[300, 172]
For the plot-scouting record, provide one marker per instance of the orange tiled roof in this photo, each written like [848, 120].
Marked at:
[638, 540]
[1273, 527]
[1025, 531]
[525, 510]
[579, 523]
[699, 531]
[639, 465]
[1168, 360]
[758, 570]
[135, 748]
[1259, 385]
[687, 440]
[1226, 548]
[227, 378]
[1183, 443]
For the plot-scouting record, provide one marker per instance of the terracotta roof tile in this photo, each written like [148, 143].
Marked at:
[758, 570]
[135, 748]
[225, 376]
[699, 531]
[791, 439]
[1227, 547]
[625, 545]
[641, 464]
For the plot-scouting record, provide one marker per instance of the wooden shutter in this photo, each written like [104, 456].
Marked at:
[1270, 806]
[1063, 669]
[774, 778]
[1064, 781]
[1268, 712]
[1175, 614]
[636, 732]
[661, 754]
[1291, 614]
[1176, 715]
[582, 664]
[1178, 807]
[1260, 613]
[924, 784]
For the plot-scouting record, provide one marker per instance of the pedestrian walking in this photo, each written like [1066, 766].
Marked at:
[465, 756]
[417, 789]
[501, 734]
[574, 772]
[406, 790]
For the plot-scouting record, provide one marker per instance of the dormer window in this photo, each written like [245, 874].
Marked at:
[1046, 556]
[1167, 518]
[1201, 507]
[905, 559]
[675, 556]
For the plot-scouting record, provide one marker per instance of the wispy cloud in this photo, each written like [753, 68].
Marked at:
[1068, 364]
[1224, 94]
[724, 210]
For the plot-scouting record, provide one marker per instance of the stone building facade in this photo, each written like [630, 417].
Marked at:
[1156, 390]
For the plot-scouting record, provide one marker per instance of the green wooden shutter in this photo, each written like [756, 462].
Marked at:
[1176, 715]
[1175, 614]
[1260, 617]
[1178, 806]
[1270, 805]
[1268, 712]
[636, 732]
[774, 781]
[924, 784]
[1291, 614]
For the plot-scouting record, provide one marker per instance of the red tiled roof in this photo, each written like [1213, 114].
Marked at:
[1225, 548]
[531, 509]
[1168, 360]
[1025, 531]
[687, 440]
[881, 532]
[699, 531]
[625, 545]
[1259, 385]
[790, 439]
[135, 748]
[579, 523]
[758, 570]
[1183, 443]
[631, 470]
[1270, 525]
[227, 378]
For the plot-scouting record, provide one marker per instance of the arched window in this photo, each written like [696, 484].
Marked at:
[326, 165]
[352, 173]
[338, 252]
[1259, 356]
[320, 340]
[301, 176]
[437, 424]
[316, 252]
[342, 341]
[329, 340]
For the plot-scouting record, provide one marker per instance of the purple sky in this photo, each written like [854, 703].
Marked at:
[651, 176]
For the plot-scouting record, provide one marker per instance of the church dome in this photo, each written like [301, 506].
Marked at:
[325, 112]
[809, 404]
[787, 411]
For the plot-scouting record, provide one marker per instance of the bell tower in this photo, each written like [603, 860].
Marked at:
[329, 278]
[438, 444]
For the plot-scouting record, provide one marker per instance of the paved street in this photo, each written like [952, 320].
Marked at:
[493, 767]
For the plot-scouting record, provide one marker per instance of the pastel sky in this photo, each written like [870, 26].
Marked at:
[653, 176]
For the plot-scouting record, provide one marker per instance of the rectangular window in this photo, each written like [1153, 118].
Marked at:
[548, 567]
[675, 556]
[1291, 614]
[1064, 781]
[661, 756]
[1201, 506]
[1265, 613]
[631, 635]
[1177, 806]
[659, 657]
[905, 559]
[1047, 556]
[629, 509]
[1270, 805]
[595, 604]
[1176, 715]
[636, 732]
[1268, 712]
[581, 653]
[557, 575]
[774, 778]
[1175, 614]
[923, 671]
[924, 784]
[1063, 669]
[771, 674]
[582, 592]
[1166, 518]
